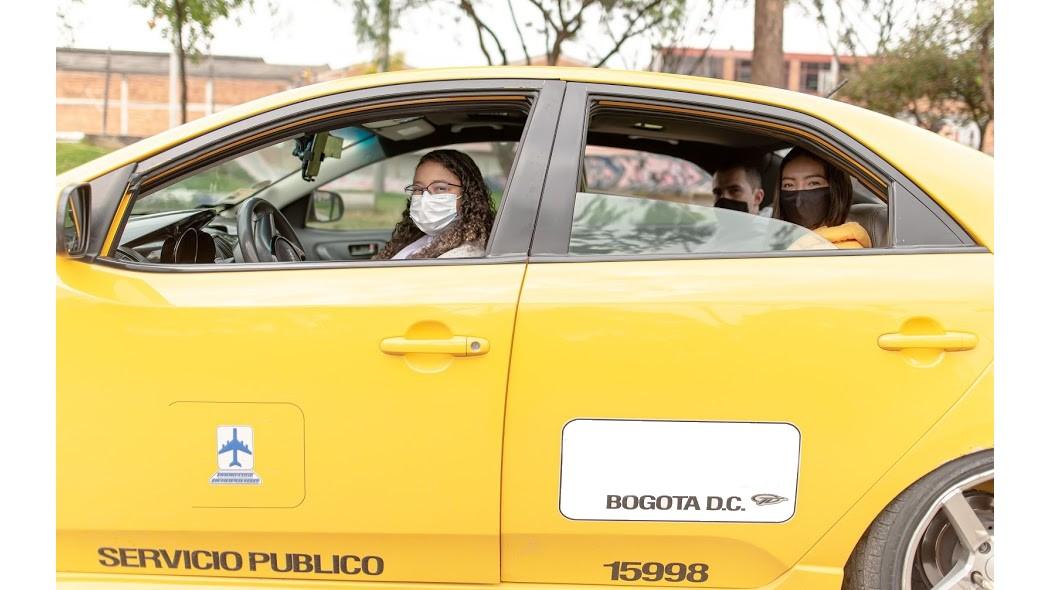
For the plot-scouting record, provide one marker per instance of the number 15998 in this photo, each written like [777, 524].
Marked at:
[653, 571]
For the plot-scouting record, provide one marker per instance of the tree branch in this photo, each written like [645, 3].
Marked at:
[481, 43]
[495, 39]
[628, 33]
[984, 64]
[548, 24]
[546, 14]
[674, 62]
[562, 31]
[482, 28]
[578, 17]
[521, 37]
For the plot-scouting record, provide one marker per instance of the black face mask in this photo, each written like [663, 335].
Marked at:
[808, 208]
[724, 203]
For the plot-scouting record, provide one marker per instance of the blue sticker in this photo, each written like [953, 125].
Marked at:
[236, 457]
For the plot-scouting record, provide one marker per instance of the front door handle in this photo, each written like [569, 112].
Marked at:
[455, 345]
[946, 341]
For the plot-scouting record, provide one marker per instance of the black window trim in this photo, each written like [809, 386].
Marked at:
[259, 123]
[515, 220]
[153, 267]
[551, 235]
[107, 192]
[159, 177]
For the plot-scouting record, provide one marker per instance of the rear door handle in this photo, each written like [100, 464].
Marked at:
[455, 345]
[946, 341]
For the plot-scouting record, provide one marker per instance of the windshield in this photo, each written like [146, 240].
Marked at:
[233, 181]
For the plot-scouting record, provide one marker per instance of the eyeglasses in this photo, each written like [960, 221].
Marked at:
[435, 188]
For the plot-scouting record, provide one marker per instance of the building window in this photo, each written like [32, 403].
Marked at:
[812, 76]
[712, 67]
[708, 66]
[743, 70]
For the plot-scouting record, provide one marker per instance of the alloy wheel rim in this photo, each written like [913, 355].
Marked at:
[953, 547]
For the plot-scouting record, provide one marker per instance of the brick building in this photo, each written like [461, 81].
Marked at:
[140, 98]
[804, 72]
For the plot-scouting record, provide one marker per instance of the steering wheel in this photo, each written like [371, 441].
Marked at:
[264, 234]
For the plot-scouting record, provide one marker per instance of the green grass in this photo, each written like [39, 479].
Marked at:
[71, 155]
[384, 215]
[222, 179]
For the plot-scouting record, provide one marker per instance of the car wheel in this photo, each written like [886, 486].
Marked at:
[936, 535]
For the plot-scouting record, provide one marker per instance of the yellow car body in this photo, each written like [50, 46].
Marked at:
[385, 471]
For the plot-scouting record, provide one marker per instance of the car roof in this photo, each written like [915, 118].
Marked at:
[957, 177]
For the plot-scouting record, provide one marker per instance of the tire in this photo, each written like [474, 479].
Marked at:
[918, 522]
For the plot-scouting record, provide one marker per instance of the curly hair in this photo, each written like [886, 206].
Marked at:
[839, 184]
[473, 223]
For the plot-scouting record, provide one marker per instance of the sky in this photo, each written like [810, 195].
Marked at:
[321, 32]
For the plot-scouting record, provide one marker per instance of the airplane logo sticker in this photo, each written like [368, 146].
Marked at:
[236, 457]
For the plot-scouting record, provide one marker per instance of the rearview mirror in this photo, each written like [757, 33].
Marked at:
[74, 207]
[325, 206]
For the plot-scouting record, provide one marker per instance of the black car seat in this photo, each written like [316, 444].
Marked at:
[875, 218]
[769, 168]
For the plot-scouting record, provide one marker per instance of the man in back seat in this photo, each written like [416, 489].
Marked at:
[738, 186]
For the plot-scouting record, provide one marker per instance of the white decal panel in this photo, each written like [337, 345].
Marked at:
[236, 456]
[664, 470]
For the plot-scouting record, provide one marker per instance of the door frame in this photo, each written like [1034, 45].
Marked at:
[514, 223]
[551, 240]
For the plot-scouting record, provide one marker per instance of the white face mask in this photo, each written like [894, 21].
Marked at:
[433, 213]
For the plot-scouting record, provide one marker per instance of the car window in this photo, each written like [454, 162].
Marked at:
[348, 181]
[640, 202]
[233, 181]
[374, 198]
[228, 182]
[656, 183]
[619, 171]
[604, 224]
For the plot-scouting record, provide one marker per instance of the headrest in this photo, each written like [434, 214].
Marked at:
[875, 218]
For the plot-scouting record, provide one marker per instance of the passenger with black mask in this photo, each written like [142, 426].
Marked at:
[738, 187]
[818, 197]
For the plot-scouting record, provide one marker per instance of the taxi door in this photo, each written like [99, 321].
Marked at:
[334, 421]
[702, 419]
[360, 454]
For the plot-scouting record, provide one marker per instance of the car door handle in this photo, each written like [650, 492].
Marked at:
[363, 250]
[947, 341]
[456, 345]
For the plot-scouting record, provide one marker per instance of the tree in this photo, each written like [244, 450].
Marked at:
[393, 63]
[188, 24]
[767, 59]
[669, 58]
[562, 21]
[942, 68]
[374, 22]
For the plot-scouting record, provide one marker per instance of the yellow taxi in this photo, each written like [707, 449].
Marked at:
[527, 328]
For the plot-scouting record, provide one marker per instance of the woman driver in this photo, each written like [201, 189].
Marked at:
[818, 197]
[449, 212]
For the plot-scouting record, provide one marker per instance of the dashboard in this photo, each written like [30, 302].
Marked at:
[195, 236]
